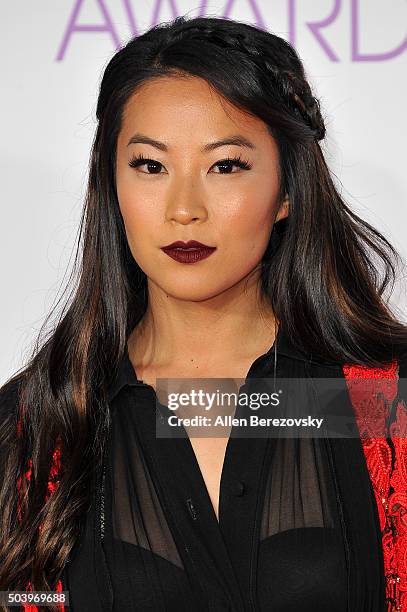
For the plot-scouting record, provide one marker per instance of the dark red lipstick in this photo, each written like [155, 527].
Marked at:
[188, 252]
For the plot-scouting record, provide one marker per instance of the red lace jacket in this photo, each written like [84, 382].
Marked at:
[387, 464]
[386, 459]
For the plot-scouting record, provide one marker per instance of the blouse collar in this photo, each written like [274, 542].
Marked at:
[126, 375]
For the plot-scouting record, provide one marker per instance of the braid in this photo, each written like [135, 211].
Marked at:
[299, 93]
[291, 82]
[295, 90]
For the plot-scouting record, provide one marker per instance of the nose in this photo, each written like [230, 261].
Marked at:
[186, 203]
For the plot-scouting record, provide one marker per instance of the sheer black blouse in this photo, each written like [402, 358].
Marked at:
[298, 524]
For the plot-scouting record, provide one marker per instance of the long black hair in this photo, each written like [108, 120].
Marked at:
[325, 273]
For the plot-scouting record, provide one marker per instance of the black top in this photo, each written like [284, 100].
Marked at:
[298, 520]
[298, 523]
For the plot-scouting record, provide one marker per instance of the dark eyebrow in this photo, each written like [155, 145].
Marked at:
[236, 139]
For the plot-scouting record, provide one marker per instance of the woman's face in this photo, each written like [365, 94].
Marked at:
[189, 192]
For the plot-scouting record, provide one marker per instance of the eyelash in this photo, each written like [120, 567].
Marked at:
[140, 160]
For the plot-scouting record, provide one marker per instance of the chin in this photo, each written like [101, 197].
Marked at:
[190, 291]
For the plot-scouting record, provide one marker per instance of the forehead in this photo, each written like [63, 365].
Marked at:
[176, 105]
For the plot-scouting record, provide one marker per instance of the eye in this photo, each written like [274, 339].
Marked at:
[140, 160]
[229, 162]
[226, 163]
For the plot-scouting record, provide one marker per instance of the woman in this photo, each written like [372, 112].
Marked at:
[282, 284]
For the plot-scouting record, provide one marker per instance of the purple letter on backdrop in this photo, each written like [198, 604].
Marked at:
[369, 57]
[315, 26]
[74, 27]
[201, 12]
[108, 26]
[130, 16]
[156, 13]
[259, 20]
[157, 9]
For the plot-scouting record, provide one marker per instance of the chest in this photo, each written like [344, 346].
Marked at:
[210, 455]
[210, 450]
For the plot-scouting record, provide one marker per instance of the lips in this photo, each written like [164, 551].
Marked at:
[188, 252]
[190, 244]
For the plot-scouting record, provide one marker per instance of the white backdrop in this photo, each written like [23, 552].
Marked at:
[52, 56]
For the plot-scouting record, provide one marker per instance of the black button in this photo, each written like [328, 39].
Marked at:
[238, 488]
[192, 509]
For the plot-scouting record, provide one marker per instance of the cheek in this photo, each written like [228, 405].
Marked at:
[139, 224]
[251, 220]
[138, 211]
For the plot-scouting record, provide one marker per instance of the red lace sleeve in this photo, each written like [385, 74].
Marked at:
[387, 464]
[52, 484]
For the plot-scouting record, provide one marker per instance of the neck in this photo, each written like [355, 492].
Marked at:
[226, 328]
